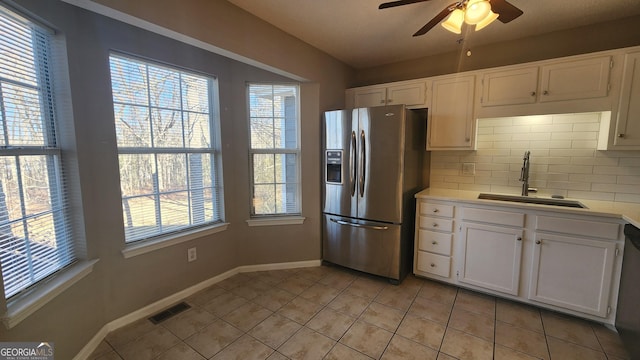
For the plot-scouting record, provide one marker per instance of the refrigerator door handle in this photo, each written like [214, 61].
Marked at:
[363, 161]
[352, 162]
[373, 227]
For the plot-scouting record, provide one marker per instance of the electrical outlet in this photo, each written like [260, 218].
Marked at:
[468, 168]
[191, 254]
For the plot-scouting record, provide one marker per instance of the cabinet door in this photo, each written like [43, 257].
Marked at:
[491, 257]
[627, 124]
[370, 96]
[407, 94]
[450, 125]
[510, 87]
[571, 80]
[573, 273]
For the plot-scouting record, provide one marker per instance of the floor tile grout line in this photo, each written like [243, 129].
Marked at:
[314, 279]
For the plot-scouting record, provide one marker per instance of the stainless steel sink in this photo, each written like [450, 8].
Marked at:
[532, 200]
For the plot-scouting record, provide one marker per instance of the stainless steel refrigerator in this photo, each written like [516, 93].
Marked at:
[375, 160]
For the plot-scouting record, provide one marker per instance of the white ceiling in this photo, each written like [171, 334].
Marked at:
[361, 35]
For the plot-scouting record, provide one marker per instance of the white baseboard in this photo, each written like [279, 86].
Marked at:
[159, 305]
[279, 266]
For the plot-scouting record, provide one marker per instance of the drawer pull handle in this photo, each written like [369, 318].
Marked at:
[433, 265]
[533, 93]
[435, 225]
[436, 210]
[434, 243]
[538, 242]
[519, 238]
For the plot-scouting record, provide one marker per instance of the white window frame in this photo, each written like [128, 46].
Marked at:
[275, 218]
[47, 285]
[161, 239]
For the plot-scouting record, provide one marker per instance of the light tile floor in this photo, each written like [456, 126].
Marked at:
[333, 313]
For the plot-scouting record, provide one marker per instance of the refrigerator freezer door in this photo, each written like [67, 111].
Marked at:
[362, 245]
[381, 148]
[339, 137]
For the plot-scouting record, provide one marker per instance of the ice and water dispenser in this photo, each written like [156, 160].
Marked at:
[333, 159]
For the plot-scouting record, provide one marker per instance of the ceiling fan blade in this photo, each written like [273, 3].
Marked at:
[443, 14]
[398, 3]
[506, 11]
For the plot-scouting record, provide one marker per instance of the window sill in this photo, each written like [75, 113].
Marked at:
[24, 305]
[143, 247]
[276, 220]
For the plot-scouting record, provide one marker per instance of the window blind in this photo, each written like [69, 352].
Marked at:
[166, 122]
[35, 237]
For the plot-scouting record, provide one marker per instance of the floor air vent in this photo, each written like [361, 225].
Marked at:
[164, 315]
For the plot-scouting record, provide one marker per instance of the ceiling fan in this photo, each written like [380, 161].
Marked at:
[473, 12]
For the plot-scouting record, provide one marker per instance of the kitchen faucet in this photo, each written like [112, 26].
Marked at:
[524, 174]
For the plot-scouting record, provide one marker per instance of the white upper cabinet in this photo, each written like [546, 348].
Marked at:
[557, 81]
[577, 84]
[627, 132]
[411, 94]
[576, 79]
[451, 120]
[510, 87]
[370, 96]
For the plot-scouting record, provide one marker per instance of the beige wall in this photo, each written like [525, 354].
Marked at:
[598, 37]
[119, 286]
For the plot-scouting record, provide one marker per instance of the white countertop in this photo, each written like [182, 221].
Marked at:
[629, 212]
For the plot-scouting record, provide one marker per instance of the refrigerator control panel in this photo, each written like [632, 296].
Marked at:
[333, 160]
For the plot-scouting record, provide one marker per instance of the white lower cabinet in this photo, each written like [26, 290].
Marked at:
[491, 249]
[569, 262]
[491, 257]
[573, 273]
[574, 262]
[434, 240]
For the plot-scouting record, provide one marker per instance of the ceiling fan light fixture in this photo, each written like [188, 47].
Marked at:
[454, 21]
[476, 11]
[487, 20]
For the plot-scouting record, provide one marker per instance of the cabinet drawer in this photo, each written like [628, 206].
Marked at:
[586, 227]
[434, 264]
[434, 242]
[436, 209]
[427, 222]
[493, 217]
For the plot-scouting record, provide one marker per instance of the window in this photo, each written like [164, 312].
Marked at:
[166, 123]
[275, 149]
[35, 234]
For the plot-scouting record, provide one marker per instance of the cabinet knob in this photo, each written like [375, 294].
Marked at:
[434, 243]
[467, 139]
[435, 225]
[538, 242]
[519, 238]
[381, 101]
[436, 210]
[433, 265]
[620, 135]
[533, 93]
[546, 92]
[389, 101]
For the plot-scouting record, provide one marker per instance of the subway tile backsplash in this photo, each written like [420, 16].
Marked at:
[564, 160]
